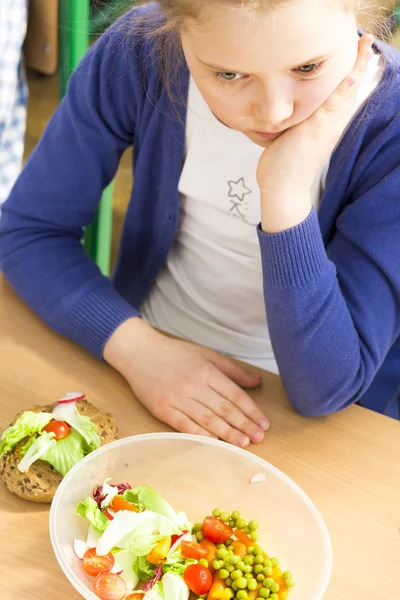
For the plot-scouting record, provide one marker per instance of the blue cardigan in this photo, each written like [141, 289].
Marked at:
[331, 284]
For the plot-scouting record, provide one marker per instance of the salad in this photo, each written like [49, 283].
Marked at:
[139, 548]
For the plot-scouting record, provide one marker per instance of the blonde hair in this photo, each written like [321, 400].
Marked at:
[370, 13]
[164, 23]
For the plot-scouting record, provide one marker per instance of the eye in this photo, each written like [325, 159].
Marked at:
[309, 69]
[226, 76]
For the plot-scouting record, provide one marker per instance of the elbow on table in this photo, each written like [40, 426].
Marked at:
[318, 405]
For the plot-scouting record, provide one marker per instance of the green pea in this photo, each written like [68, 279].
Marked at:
[242, 595]
[248, 576]
[234, 559]
[224, 516]
[252, 584]
[234, 586]
[236, 574]
[199, 536]
[268, 563]
[259, 598]
[229, 567]
[196, 527]
[250, 550]
[264, 593]
[257, 569]
[232, 523]
[257, 550]
[275, 587]
[216, 513]
[248, 560]
[248, 569]
[254, 535]
[241, 583]
[224, 574]
[219, 546]
[267, 571]
[258, 560]
[240, 523]
[218, 564]
[268, 582]
[253, 524]
[240, 565]
[246, 529]
[222, 553]
[228, 582]
[274, 597]
[235, 515]
[204, 562]
[260, 577]
[275, 561]
[228, 542]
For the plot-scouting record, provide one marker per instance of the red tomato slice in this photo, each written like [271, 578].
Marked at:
[198, 579]
[61, 429]
[94, 564]
[109, 586]
[119, 503]
[215, 530]
[193, 550]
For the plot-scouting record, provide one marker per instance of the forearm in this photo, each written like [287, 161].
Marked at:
[323, 361]
[128, 344]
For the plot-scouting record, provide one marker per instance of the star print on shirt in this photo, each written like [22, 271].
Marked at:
[238, 189]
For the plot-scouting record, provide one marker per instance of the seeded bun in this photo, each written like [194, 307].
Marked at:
[40, 482]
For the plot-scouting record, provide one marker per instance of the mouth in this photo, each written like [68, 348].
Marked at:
[268, 136]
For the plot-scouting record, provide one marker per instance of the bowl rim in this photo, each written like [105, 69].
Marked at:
[83, 590]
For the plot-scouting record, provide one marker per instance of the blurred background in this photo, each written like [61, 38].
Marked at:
[48, 58]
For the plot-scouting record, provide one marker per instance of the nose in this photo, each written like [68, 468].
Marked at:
[273, 107]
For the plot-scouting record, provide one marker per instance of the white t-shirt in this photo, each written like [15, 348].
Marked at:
[210, 290]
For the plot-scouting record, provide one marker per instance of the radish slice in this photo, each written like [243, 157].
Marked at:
[117, 569]
[80, 548]
[186, 535]
[64, 409]
[71, 397]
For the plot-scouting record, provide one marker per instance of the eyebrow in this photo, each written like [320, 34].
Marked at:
[225, 70]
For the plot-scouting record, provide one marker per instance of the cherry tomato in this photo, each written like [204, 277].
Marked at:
[119, 503]
[198, 579]
[109, 586]
[61, 429]
[215, 530]
[94, 564]
[193, 550]
[212, 551]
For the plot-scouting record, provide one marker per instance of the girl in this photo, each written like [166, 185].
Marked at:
[266, 138]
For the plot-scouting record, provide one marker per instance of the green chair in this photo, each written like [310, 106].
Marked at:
[74, 42]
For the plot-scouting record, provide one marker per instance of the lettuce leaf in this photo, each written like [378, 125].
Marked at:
[139, 532]
[174, 587]
[143, 569]
[37, 450]
[65, 453]
[26, 425]
[84, 426]
[89, 510]
[146, 497]
[177, 563]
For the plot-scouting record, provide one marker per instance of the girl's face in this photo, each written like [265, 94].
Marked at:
[263, 72]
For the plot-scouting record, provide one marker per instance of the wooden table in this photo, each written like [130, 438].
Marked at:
[348, 463]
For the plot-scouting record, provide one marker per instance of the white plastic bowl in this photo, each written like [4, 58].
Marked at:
[197, 474]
